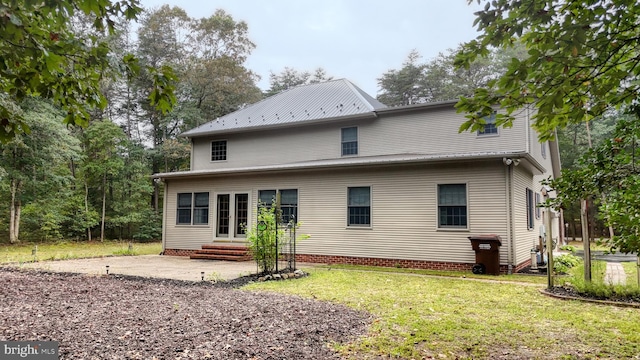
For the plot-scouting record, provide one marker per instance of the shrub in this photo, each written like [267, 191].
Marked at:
[562, 263]
[569, 248]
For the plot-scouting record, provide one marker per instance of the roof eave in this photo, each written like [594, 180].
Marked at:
[306, 166]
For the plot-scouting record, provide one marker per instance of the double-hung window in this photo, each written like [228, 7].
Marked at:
[489, 126]
[538, 201]
[219, 150]
[452, 206]
[359, 206]
[349, 141]
[530, 209]
[193, 208]
[288, 203]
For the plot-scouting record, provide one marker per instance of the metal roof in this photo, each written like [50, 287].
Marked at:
[359, 161]
[308, 103]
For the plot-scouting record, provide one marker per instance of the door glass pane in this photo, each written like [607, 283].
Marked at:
[223, 215]
[242, 213]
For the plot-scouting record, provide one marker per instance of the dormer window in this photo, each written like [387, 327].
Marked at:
[219, 150]
[490, 127]
[349, 141]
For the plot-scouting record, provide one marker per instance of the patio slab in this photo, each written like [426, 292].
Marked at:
[156, 266]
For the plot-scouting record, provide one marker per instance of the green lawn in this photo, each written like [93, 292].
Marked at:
[631, 269]
[74, 250]
[433, 317]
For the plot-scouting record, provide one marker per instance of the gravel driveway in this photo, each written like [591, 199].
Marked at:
[117, 317]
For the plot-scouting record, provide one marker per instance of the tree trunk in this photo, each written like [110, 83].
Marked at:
[104, 205]
[586, 244]
[86, 207]
[14, 212]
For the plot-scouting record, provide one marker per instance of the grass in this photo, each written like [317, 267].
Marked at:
[631, 269]
[449, 318]
[595, 246]
[533, 279]
[18, 253]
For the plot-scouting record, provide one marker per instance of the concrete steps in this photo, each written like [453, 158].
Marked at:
[222, 252]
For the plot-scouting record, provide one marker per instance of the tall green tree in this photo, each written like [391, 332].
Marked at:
[404, 86]
[36, 168]
[583, 61]
[290, 77]
[103, 161]
[42, 56]
[439, 80]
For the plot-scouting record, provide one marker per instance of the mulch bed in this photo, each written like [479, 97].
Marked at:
[122, 317]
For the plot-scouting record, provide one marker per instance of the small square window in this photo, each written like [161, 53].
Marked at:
[359, 206]
[350, 141]
[219, 150]
[490, 127]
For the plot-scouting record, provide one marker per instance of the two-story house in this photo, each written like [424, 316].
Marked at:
[371, 184]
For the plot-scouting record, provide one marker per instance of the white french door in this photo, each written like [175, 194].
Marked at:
[232, 215]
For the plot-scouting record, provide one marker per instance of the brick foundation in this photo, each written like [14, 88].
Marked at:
[178, 252]
[413, 264]
[352, 260]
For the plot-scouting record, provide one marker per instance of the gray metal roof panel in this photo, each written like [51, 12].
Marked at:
[355, 161]
[329, 100]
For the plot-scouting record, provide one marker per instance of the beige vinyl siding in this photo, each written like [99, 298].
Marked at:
[186, 236]
[403, 204]
[427, 132]
[525, 239]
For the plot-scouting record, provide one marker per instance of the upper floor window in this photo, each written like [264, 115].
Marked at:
[543, 150]
[350, 141]
[193, 209]
[219, 150]
[359, 206]
[489, 126]
[452, 206]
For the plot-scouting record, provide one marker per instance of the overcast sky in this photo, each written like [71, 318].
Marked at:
[354, 39]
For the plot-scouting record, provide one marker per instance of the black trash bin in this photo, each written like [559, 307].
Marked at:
[487, 248]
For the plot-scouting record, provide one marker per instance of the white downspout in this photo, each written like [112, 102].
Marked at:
[509, 207]
[164, 216]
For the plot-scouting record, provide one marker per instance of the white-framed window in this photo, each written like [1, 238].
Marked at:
[543, 149]
[288, 202]
[490, 127]
[349, 141]
[359, 206]
[193, 209]
[452, 206]
[219, 150]
[530, 209]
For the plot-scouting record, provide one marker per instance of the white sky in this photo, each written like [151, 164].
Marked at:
[354, 39]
